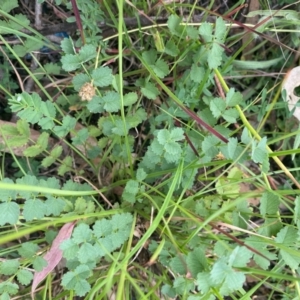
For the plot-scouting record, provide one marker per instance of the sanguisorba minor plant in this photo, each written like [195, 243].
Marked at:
[142, 198]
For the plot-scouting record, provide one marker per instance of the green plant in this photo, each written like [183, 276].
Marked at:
[153, 159]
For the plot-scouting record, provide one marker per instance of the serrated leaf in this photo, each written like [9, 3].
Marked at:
[232, 147]
[290, 259]
[106, 125]
[157, 148]
[96, 105]
[23, 128]
[209, 145]
[263, 262]
[50, 182]
[233, 282]
[173, 148]
[86, 53]
[174, 25]
[80, 205]
[183, 285]
[68, 124]
[196, 261]
[132, 186]
[8, 194]
[79, 80]
[172, 157]
[230, 115]
[49, 113]
[168, 291]
[205, 31]
[28, 250]
[177, 264]
[192, 32]
[239, 257]
[217, 107]
[122, 222]
[220, 30]
[24, 276]
[52, 68]
[56, 151]
[150, 56]
[287, 236]
[38, 264]
[10, 26]
[119, 128]
[102, 228]
[177, 134]
[136, 118]
[219, 272]
[269, 204]
[54, 206]
[161, 68]
[197, 73]
[28, 46]
[81, 137]
[227, 187]
[207, 116]
[246, 136]
[67, 46]
[9, 267]
[48, 161]
[171, 48]
[151, 158]
[259, 151]
[130, 98]
[233, 98]
[82, 287]
[141, 174]
[34, 208]
[102, 76]
[204, 282]
[265, 166]
[42, 143]
[7, 6]
[9, 213]
[75, 280]
[215, 56]
[82, 233]
[66, 165]
[163, 136]
[87, 252]
[130, 191]
[69, 248]
[70, 62]
[7, 287]
[150, 91]
[112, 101]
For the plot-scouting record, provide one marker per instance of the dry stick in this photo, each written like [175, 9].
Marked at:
[76, 178]
[35, 57]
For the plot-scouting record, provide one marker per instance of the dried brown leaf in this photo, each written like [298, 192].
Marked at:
[291, 81]
[53, 256]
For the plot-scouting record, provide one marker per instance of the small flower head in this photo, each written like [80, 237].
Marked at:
[87, 92]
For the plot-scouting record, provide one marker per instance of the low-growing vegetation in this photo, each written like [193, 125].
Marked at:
[149, 150]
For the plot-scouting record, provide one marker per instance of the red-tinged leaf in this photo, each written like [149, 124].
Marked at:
[53, 256]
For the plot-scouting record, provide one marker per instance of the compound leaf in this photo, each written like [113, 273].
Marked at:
[9, 213]
[102, 76]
